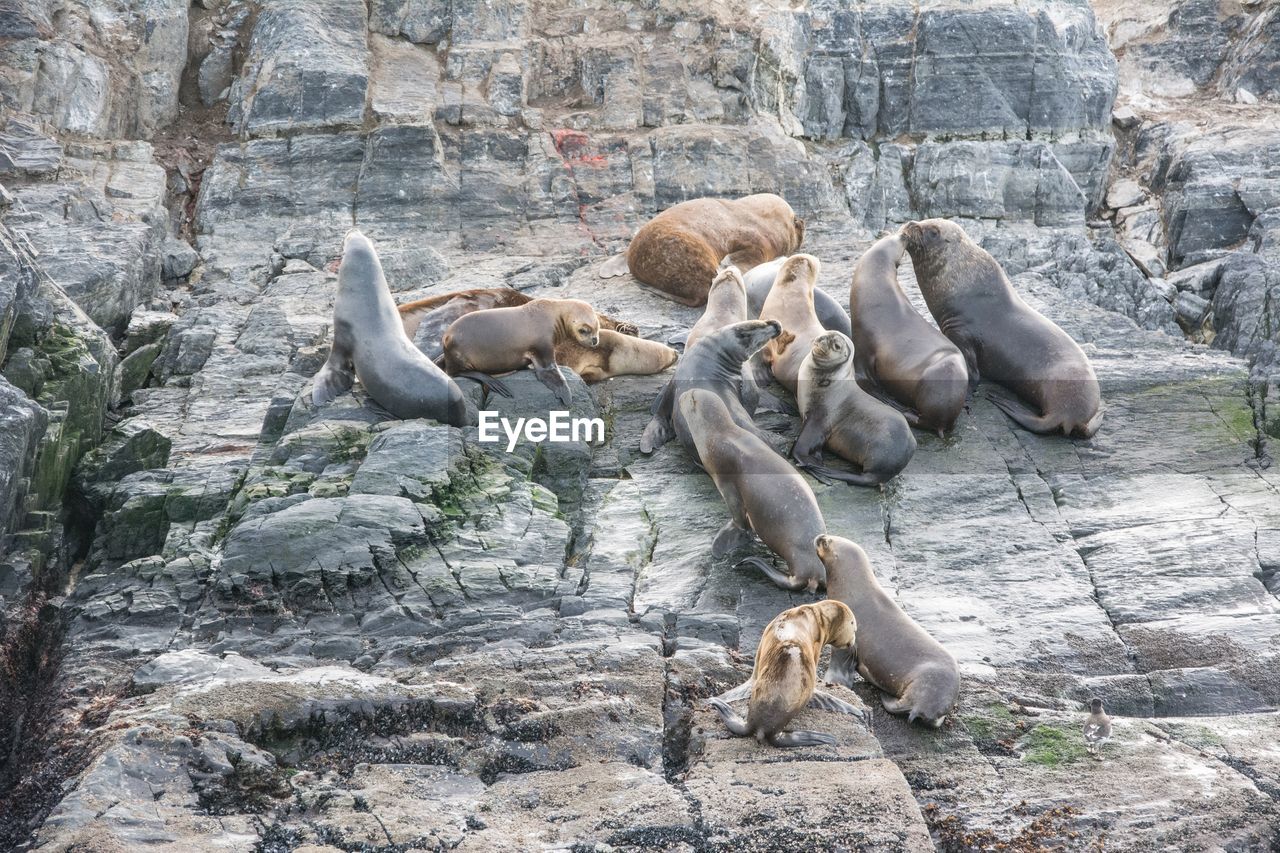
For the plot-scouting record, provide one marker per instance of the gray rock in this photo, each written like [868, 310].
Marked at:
[1125, 193]
[178, 259]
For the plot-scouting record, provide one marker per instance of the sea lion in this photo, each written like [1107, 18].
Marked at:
[759, 282]
[615, 355]
[917, 675]
[425, 320]
[837, 414]
[1003, 339]
[764, 494]
[784, 679]
[715, 364]
[679, 251]
[497, 340]
[897, 354]
[726, 305]
[790, 302]
[369, 343]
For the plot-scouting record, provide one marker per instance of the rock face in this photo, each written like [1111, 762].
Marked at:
[301, 628]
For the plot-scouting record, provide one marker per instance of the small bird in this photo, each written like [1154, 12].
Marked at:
[1097, 729]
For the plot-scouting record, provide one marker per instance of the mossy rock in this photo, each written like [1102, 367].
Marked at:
[1051, 746]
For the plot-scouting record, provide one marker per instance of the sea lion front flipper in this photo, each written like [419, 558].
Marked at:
[734, 723]
[781, 579]
[487, 382]
[551, 377]
[656, 433]
[844, 663]
[729, 539]
[803, 738]
[1021, 413]
[742, 691]
[807, 451]
[615, 266]
[826, 702]
[335, 377]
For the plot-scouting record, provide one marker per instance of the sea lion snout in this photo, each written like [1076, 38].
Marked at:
[822, 544]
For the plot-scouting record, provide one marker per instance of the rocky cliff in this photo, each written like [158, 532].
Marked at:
[233, 620]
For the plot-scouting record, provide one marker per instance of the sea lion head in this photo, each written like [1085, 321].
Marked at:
[797, 232]
[830, 350]
[799, 269]
[749, 335]
[931, 239]
[359, 259]
[1095, 705]
[579, 322]
[840, 626]
[728, 279]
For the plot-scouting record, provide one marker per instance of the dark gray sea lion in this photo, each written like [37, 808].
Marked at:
[1047, 382]
[917, 675]
[896, 352]
[764, 494]
[838, 415]
[369, 343]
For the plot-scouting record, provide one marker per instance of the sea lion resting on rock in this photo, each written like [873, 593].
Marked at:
[619, 352]
[369, 343]
[764, 494]
[785, 676]
[679, 251]
[918, 676]
[425, 320]
[715, 364]
[896, 352]
[1003, 339]
[497, 340]
[790, 302]
[759, 282]
[836, 413]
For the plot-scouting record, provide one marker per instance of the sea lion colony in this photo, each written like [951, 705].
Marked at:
[862, 381]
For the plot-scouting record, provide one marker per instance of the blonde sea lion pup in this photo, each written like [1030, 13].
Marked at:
[1048, 384]
[369, 343]
[917, 675]
[897, 354]
[784, 679]
[425, 320]
[764, 494]
[679, 251]
[838, 415]
[790, 302]
[498, 340]
[615, 355]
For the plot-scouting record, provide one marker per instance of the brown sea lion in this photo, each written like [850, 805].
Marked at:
[790, 302]
[897, 354]
[918, 676]
[497, 340]
[715, 364]
[1004, 340]
[837, 414]
[764, 494]
[370, 344]
[616, 355]
[784, 679]
[425, 320]
[679, 251]
[759, 281]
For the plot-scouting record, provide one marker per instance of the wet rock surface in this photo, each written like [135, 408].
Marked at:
[283, 627]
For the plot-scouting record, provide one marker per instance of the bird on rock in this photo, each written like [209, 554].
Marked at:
[1097, 729]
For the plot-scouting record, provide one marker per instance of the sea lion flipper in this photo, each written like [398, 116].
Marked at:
[729, 539]
[551, 377]
[826, 702]
[679, 339]
[615, 266]
[802, 738]
[781, 579]
[1021, 413]
[334, 378]
[490, 385]
[807, 450]
[771, 403]
[734, 723]
[844, 664]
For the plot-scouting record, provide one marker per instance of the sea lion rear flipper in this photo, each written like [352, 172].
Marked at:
[1021, 413]
[1091, 427]
[802, 738]
[679, 339]
[333, 378]
[735, 724]
[490, 385]
[781, 579]
[770, 403]
[893, 704]
[729, 539]
[821, 471]
[552, 378]
[844, 663]
[742, 691]
[615, 266]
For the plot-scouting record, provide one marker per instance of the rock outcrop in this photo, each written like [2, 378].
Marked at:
[247, 622]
